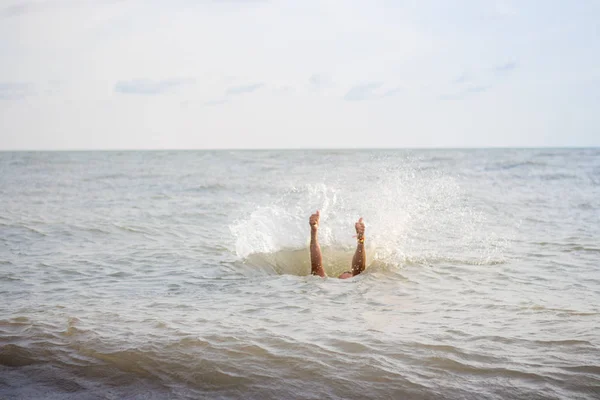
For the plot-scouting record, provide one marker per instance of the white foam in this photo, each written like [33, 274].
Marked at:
[411, 215]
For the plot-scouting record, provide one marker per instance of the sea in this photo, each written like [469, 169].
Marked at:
[186, 274]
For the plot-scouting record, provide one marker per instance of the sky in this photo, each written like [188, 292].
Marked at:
[212, 74]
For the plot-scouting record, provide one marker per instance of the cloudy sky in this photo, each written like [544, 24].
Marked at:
[146, 74]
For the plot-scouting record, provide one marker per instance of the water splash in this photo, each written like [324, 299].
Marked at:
[413, 215]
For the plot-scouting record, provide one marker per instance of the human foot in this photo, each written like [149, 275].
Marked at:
[314, 221]
[360, 229]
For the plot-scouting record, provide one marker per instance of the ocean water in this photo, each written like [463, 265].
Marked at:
[185, 274]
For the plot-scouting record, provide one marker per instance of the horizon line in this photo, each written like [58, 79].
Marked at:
[303, 148]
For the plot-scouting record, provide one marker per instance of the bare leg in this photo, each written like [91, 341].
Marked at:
[316, 260]
[359, 261]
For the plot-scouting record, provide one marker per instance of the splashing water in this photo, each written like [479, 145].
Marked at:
[412, 215]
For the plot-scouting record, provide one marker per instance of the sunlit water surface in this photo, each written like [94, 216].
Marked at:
[186, 275]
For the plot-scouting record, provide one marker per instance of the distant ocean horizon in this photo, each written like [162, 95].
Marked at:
[185, 273]
[20, 150]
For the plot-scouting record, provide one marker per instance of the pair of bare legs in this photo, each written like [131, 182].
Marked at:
[359, 260]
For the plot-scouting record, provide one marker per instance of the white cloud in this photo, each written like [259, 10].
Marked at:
[150, 87]
[362, 92]
[15, 90]
[235, 90]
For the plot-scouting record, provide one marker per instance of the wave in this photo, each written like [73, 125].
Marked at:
[223, 366]
[22, 227]
[106, 177]
[62, 360]
[207, 187]
[503, 166]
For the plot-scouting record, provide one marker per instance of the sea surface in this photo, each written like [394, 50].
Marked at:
[185, 275]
